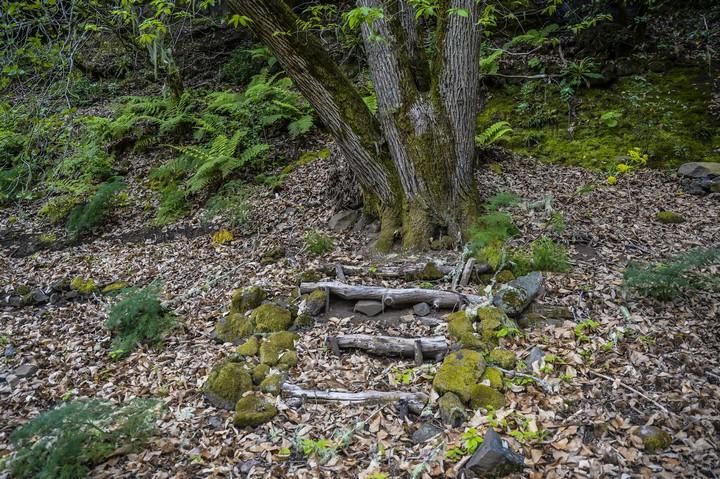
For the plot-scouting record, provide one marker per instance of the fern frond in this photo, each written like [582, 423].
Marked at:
[493, 133]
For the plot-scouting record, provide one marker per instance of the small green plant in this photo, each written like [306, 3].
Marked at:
[583, 328]
[138, 317]
[318, 243]
[611, 119]
[84, 218]
[680, 273]
[470, 441]
[548, 255]
[322, 449]
[493, 134]
[66, 442]
[557, 222]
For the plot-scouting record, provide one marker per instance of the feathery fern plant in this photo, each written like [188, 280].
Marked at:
[95, 211]
[493, 134]
[67, 441]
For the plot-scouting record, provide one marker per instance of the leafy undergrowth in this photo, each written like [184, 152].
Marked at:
[663, 114]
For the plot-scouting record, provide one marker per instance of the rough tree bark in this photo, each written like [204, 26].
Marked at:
[416, 160]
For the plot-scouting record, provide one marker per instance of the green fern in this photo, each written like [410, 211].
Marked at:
[493, 134]
[84, 218]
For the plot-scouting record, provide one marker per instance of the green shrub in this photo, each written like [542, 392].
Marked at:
[173, 206]
[58, 208]
[66, 442]
[318, 243]
[243, 64]
[138, 318]
[548, 255]
[681, 273]
[489, 234]
[95, 211]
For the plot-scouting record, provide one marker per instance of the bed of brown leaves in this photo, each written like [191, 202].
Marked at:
[661, 363]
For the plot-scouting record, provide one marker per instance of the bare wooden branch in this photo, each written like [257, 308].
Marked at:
[467, 272]
[395, 297]
[406, 271]
[365, 397]
[393, 346]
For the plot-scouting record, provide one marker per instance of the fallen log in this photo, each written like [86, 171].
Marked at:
[394, 297]
[408, 271]
[365, 397]
[391, 345]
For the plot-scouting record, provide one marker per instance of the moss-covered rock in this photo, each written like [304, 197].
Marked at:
[429, 273]
[272, 256]
[504, 276]
[270, 318]
[504, 358]
[83, 286]
[490, 325]
[244, 300]
[653, 438]
[288, 360]
[269, 354]
[460, 328]
[304, 321]
[669, 217]
[459, 372]
[271, 384]
[252, 411]
[234, 328]
[249, 347]
[493, 376]
[316, 301]
[452, 410]
[282, 340]
[309, 276]
[482, 396]
[114, 287]
[227, 383]
[260, 372]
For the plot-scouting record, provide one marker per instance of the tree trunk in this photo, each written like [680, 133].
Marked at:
[415, 162]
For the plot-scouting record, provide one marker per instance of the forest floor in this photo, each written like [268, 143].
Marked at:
[660, 365]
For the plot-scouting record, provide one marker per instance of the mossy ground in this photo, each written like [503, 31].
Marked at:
[663, 114]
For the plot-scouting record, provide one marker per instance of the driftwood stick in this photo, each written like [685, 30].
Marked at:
[365, 397]
[418, 353]
[467, 272]
[407, 271]
[392, 345]
[395, 297]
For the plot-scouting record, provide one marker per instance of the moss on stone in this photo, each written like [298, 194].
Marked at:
[271, 384]
[452, 410]
[244, 300]
[491, 321]
[504, 358]
[316, 301]
[282, 340]
[249, 347]
[252, 411]
[494, 376]
[504, 276]
[270, 318]
[654, 439]
[260, 372]
[461, 329]
[269, 354]
[459, 372]
[309, 276]
[288, 359]
[429, 273]
[304, 321]
[235, 327]
[669, 217]
[114, 287]
[482, 396]
[227, 383]
[82, 286]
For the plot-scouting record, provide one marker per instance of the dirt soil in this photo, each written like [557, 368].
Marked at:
[659, 365]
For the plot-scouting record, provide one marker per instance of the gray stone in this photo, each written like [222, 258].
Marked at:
[493, 459]
[421, 309]
[9, 351]
[516, 295]
[452, 410]
[534, 359]
[368, 307]
[39, 297]
[343, 220]
[698, 169]
[653, 438]
[25, 370]
[425, 432]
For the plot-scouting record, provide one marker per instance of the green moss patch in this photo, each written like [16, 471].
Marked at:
[494, 376]
[234, 328]
[244, 300]
[271, 318]
[669, 217]
[482, 396]
[504, 358]
[249, 347]
[269, 354]
[253, 411]
[459, 373]
[227, 383]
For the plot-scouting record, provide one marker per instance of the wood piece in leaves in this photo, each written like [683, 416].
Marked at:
[467, 272]
[364, 397]
[407, 271]
[393, 345]
[395, 297]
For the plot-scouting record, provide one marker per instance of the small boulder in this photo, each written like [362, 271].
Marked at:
[243, 300]
[368, 307]
[270, 318]
[234, 327]
[493, 458]
[653, 438]
[226, 384]
[452, 410]
[459, 372]
[669, 217]
[494, 377]
[282, 340]
[460, 328]
[425, 432]
[253, 411]
[249, 347]
[24, 371]
[421, 309]
[271, 384]
[698, 169]
[482, 396]
[260, 372]
[516, 295]
[269, 354]
[316, 301]
[288, 360]
[343, 220]
[534, 360]
[504, 358]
